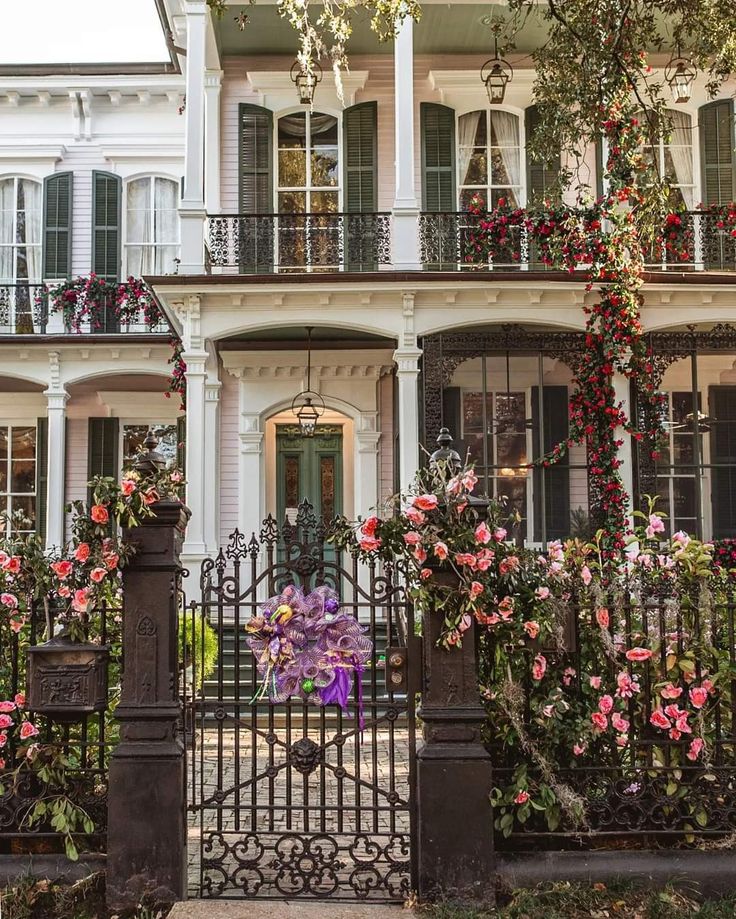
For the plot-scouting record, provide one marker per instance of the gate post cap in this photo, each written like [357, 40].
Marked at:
[150, 461]
[445, 452]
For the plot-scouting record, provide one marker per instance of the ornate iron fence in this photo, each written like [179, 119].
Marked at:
[85, 744]
[643, 785]
[22, 309]
[267, 243]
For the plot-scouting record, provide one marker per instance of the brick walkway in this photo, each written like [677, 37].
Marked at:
[339, 825]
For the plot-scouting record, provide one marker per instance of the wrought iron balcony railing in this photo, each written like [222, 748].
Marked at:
[446, 244]
[25, 310]
[269, 243]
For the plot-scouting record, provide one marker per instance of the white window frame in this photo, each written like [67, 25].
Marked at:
[308, 188]
[662, 145]
[9, 495]
[151, 176]
[702, 481]
[521, 189]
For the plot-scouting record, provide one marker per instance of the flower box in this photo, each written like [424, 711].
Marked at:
[67, 679]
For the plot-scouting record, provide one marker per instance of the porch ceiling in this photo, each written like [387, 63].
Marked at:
[295, 338]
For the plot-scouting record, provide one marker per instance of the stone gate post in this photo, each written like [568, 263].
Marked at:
[454, 817]
[147, 777]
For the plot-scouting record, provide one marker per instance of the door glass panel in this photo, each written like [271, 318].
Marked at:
[327, 486]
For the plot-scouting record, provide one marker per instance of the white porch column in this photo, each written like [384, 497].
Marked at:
[407, 372]
[211, 489]
[196, 469]
[192, 211]
[212, 83]
[251, 470]
[405, 228]
[622, 388]
[56, 397]
[366, 464]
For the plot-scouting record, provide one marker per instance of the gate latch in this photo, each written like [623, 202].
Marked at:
[397, 677]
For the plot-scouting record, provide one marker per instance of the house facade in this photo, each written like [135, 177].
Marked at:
[323, 247]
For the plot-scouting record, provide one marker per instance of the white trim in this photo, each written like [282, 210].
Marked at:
[36, 152]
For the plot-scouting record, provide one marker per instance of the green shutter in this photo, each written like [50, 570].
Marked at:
[717, 155]
[256, 159]
[360, 134]
[541, 174]
[42, 474]
[102, 448]
[181, 441]
[599, 168]
[57, 225]
[438, 157]
[556, 479]
[106, 205]
[722, 407]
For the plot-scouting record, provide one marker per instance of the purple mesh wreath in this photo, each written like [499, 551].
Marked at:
[307, 647]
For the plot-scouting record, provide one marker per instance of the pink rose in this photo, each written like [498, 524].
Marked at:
[595, 682]
[605, 704]
[81, 600]
[9, 600]
[484, 559]
[3, 739]
[482, 533]
[522, 797]
[509, 564]
[11, 564]
[659, 719]
[412, 538]
[368, 528]
[476, 589]
[17, 622]
[626, 686]
[656, 525]
[602, 617]
[425, 573]
[698, 696]
[5, 721]
[670, 692]
[585, 575]
[151, 496]
[466, 558]
[469, 480]
[506, 609]
[370, 543]
[414, 515]
[499, 534]
[695, 748]
[99, 513]
[111, 560]
[541, 593]
[7, 706]
[81, 553]
[638, 654]
[440, 550]
[28, 729]
[531, 628]
[64, 590]
[539, 667]
[425, 502]
[619, 723]
[682, 539]
[579, 749]
[600, 721]
[127, 487]
[62, 569]
[97, 574]
[20, 699]
[420, 555]
[464, 624]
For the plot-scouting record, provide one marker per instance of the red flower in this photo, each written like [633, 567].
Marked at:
[99, 513]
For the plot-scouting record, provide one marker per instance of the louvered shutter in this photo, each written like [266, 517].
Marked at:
[102, 448]
[106, 205]
[360, 129]
[181, 442]
[722, 401]
[540, 174]
[717, 151]
[57, 226]
[256, 159]
[556, 479]
[42, 474]
[438, 157]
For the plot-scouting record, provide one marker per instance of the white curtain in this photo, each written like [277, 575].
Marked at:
[505, 135]
[139, 225]
[467, 129]
[166, 225]
[7, 219]
[681, 151]
[30, 195]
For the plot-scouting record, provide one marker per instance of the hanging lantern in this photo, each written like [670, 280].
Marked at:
[496, 74]
[680, 73]
[306, 80]
[308, 406]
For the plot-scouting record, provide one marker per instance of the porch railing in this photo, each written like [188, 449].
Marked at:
[269, 243]
[25, 310]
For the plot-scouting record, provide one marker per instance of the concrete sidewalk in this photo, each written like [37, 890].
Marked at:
[277, 909]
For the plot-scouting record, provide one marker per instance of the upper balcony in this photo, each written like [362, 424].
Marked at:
[249, 244]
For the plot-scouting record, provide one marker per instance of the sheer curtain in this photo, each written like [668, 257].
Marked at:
[139, 224]
[681, 151]
[30, 195]
[467, 129]
[7, 220]
[505, 135]
[166, 225]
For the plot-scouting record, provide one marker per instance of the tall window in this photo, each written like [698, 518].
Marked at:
[489, 158]
[308, 175]
[673, 158]
[20, 230]
[679, 476]
[152, 226]
[18, 477]
[500, 454]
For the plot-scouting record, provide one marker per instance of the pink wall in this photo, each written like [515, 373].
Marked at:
[229, 448]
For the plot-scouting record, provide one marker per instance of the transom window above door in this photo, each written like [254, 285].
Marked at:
[489, 158]
[308, 164]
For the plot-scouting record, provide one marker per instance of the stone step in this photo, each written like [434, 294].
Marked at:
[279, 909]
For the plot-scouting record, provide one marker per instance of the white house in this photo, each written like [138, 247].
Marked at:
[271, 232]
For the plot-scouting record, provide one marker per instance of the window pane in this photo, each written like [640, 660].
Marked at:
[3, 443]
[504, 166]
[138, 211]
[476, 172]
[293, 130]
[467, 195]
[23, 478]
[511, 450]
[292, 168]
[324, 202]
[684, 498]
[24, 443]
[323, 130]
[324, 167]
[24, 514]
[507, 195]
[292, 202]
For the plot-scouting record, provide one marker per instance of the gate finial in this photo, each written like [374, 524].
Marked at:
[149, 461]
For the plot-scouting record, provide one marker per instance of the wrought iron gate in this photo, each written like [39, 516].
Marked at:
[293, 800]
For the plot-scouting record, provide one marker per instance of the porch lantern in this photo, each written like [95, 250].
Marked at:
[306, 80]
[680, 73]
[496, 74]
[308, 405]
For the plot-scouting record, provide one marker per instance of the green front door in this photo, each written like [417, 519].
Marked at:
[308, 468]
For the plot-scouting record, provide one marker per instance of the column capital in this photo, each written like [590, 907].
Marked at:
[407, 360]
[56, 399]
[212, 391]
[213, 79]
[251, 441]
[367, 441]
